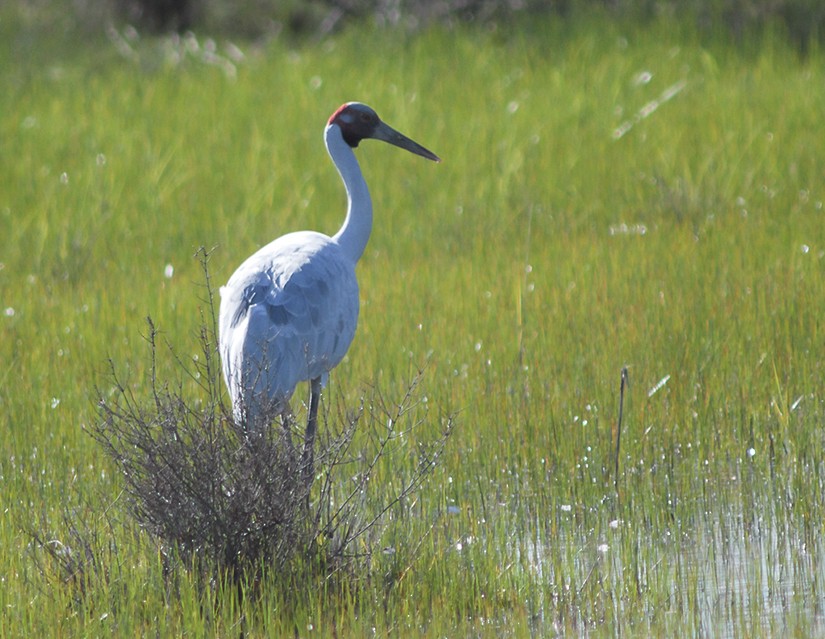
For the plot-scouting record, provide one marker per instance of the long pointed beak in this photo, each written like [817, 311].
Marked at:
[388, 134]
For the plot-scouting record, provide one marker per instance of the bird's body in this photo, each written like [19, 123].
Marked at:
[289, 312]
[288, 315]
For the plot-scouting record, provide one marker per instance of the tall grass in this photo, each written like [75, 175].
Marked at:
[610, 197]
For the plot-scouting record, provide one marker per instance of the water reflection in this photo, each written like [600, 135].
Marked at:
[724, 574]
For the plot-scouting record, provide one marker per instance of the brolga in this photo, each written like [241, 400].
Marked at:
[288, 314]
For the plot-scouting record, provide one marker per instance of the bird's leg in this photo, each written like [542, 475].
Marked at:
[307, 461]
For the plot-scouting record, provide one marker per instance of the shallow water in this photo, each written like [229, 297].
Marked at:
[729, 575]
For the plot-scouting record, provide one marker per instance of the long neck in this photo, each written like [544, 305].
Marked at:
[353, 235]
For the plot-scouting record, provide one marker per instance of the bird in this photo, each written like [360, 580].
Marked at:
[288, 314]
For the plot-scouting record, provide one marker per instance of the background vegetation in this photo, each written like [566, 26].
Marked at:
[613, 194]
[802, 20]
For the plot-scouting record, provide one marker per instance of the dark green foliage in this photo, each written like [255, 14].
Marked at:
[802, 20]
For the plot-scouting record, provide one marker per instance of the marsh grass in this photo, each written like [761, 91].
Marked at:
[541, 257]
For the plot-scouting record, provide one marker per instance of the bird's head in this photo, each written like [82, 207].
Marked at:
[359, 122]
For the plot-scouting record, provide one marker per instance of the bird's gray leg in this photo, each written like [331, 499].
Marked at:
[307, 461]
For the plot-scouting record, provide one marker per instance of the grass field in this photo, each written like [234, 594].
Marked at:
[610, 196]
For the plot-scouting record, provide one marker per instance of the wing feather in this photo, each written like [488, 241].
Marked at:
[288, 314]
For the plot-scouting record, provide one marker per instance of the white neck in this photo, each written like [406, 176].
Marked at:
[353, 235]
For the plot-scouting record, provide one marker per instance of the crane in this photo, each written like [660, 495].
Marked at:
[288, 313]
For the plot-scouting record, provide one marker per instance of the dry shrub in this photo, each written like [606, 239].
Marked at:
[230, 501]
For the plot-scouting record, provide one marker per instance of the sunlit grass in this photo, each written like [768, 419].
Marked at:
[610, 196]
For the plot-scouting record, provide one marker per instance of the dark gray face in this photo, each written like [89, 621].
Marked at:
[357, 122]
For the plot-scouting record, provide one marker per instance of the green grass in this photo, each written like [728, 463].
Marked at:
[544, 254]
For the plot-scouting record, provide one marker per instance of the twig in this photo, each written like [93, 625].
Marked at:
[624, 382]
